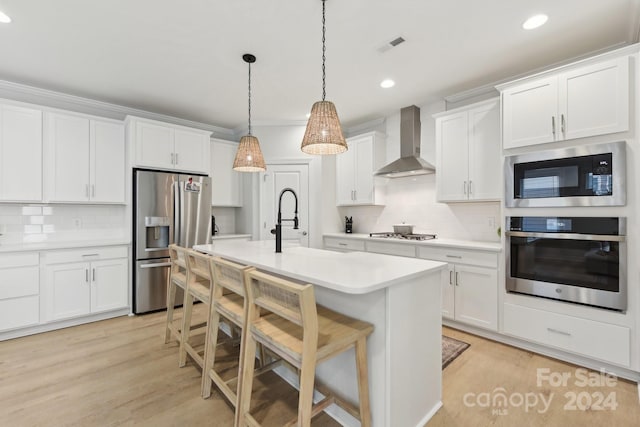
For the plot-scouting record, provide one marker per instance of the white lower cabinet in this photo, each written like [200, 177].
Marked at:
[469, 285]
[590, 338]
[19, 290]
[82, 282]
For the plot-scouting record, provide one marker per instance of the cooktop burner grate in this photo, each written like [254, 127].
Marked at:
[392, 235]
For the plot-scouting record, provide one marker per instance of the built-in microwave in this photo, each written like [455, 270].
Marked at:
[590, 175]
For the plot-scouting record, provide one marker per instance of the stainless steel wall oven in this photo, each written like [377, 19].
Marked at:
[590, 175]
[576, 259]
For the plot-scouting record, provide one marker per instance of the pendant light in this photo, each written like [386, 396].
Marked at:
[324, 133]
[249, 156]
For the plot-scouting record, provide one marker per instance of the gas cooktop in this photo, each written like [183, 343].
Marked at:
[392, 235]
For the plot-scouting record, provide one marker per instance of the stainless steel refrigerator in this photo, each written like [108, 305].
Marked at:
[167, 208]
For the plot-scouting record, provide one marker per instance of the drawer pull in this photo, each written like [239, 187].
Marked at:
[89, 255]
[342, 244]
[454, 256]
[450, 277]
[556, 331]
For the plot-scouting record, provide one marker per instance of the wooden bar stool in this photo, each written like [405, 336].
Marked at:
[199, 285]
[227, 301]
[177, 279]
[304, 334]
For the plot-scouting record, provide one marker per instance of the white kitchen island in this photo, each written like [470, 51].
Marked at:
[399, 296]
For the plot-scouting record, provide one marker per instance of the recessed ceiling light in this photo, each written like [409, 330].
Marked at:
[387, 83]
[4, 18]
[535, 21]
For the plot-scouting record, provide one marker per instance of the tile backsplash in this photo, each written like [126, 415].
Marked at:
[30, 223]
[413, 201]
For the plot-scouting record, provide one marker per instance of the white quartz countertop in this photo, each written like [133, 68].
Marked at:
[67, 244]
[352, 273]
[230, 236]
[450, 243]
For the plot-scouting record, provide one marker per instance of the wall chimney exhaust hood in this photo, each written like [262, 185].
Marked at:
[409, 163]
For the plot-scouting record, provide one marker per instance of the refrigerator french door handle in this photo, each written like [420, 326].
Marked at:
[176, 212]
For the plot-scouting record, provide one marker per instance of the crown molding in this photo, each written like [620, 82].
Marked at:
[484, 90]
[365, 126]
[50, 98]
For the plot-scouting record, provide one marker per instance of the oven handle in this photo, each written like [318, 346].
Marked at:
[569, 236]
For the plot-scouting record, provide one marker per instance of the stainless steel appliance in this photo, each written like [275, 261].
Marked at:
[576, 259]
[590, 175]
[167, 208]
[392, 235]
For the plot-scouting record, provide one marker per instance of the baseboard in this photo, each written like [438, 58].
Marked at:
[52, 326]
[564, 356]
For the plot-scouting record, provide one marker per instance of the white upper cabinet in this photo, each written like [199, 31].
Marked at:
[226, 184]
[572, 103]
[20, 154]
[468, 153]
[355, 183]
[85, 159]
[161, 145]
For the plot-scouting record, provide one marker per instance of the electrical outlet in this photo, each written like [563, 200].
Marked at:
[77, 222]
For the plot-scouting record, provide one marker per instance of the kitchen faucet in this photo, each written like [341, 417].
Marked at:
[278, 230]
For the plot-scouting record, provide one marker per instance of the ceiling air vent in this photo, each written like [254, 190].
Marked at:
[393, 43]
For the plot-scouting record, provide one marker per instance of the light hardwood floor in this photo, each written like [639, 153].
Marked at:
[487, 366]
[120, 372]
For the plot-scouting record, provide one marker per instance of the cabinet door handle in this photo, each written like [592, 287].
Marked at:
[465, 188]
[86, 275]
[172, 159]
[176, 158]
[93, 275]
[562, 124]
[451, 277]
[93, 190]
[557, 331]
[457, 282]
[553, 125]
[470, 190]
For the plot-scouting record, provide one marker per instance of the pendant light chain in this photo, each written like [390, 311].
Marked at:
[249, 98]
[324, 49]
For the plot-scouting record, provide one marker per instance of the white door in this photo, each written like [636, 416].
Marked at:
[226, 184]
[107, 162]
[272, 182]
[452, 157]
[20, 154]
[68, 176]
[67, 291]
[530, 113]
[154, 145]
[345, 176]
[594, 100]
[448, 291]
[364, 169]
[109, 284]
[485, 168]
[477, 296]
[191, 151]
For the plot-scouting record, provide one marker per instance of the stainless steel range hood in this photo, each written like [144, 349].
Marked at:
[409, 163]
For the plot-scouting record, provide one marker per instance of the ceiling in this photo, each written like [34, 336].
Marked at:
[184, 58]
